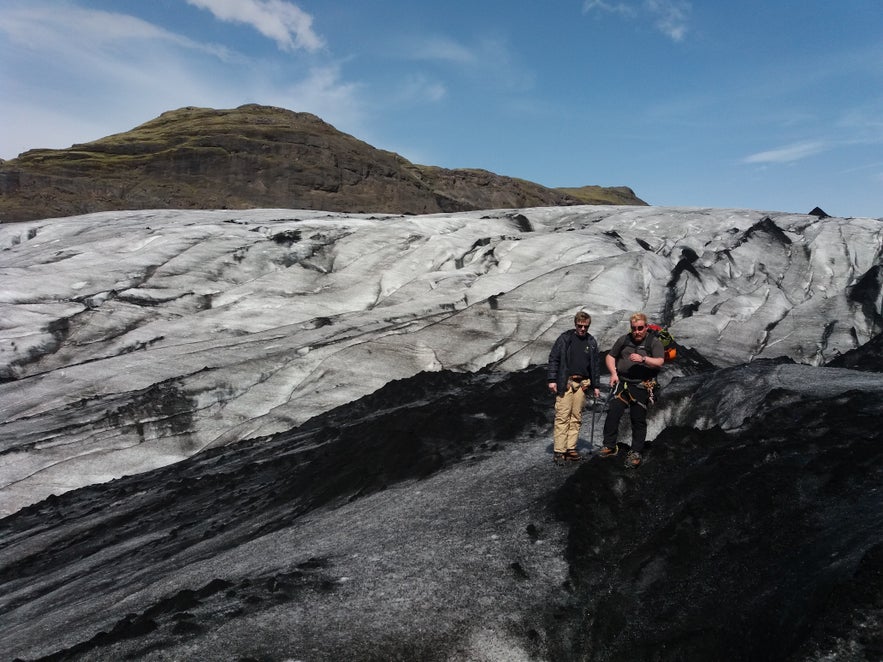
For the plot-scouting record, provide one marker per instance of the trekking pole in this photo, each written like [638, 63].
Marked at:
[605, 405]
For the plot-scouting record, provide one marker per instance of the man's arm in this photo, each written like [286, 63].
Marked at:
[658, 354]
[610, 362]
[595, 368]
[652, 361]
[552, 367]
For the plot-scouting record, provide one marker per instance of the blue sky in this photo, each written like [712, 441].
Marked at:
[768, 105]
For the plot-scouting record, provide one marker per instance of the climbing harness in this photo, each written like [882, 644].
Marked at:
[623, 394]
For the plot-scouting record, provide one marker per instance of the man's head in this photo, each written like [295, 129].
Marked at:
[638, 324]
[582, 321]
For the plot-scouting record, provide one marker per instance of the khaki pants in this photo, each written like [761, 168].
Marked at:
[569, 414]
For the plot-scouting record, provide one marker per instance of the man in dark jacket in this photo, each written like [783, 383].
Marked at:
[633, 363]
[574, 366]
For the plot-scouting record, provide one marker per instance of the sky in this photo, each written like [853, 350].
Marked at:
[762, 104]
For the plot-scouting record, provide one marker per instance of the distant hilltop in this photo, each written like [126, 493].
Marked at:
[257, 157]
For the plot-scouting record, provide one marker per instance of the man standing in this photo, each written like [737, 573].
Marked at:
[633, 363]
[574, 366]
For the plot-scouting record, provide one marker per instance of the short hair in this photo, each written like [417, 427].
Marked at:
[638, 316]
[582, 316]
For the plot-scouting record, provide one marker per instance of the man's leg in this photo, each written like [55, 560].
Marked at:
[638, 415]
[577, 402]
[563, 406]
[611, 423]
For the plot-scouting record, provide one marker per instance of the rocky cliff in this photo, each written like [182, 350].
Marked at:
[255, 157]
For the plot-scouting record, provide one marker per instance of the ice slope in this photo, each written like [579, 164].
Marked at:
[133, 340]
[392, 495]
[427, 521]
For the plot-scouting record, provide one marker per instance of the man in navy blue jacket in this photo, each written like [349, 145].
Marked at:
[574, 367]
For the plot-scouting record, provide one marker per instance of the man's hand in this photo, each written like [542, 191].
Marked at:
[553, 387]
[614, 379]
[597, 393]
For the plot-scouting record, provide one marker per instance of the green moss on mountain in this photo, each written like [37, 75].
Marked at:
[603, 195]
[248, 157]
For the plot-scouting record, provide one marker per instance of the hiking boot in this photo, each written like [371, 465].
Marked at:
[572, 455]
[607, 451]
[633, 460]
[558, 457]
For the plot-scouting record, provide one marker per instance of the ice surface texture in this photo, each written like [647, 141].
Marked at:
[391, 494]
[132, 340]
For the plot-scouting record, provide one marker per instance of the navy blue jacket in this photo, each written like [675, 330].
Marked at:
[558, 371]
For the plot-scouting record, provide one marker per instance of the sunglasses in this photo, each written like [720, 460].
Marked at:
[582, 326]
[638, 328]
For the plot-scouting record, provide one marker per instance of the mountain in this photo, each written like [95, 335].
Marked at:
[255, 157]
[289, 434]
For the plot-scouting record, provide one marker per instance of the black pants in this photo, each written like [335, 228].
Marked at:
[639, 397]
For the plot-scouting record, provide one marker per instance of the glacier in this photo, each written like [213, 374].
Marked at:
[306, 435]
[133, 340]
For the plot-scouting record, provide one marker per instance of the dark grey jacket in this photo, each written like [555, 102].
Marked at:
[558, 371]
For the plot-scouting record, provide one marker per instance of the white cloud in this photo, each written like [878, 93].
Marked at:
[322, 93]
[488, 60]
[283, 22]
[43, 27]
[444, 49]
[865, 123]
[419, 88]
[75, 34]
[609, 7]
[670, 17]
[71, 75]
[867, 166]
[788, 154]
